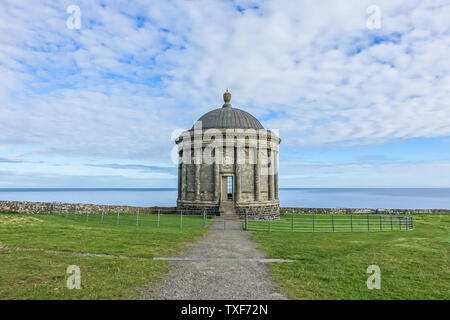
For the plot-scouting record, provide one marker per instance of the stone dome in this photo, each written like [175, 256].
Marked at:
[228, 117]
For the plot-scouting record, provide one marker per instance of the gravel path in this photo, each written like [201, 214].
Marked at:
[199, 280]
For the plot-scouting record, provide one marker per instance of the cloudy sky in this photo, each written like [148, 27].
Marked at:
[96, 106]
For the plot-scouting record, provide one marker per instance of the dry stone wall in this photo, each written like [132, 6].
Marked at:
[56, 207]
[260, 212]
[286, 210]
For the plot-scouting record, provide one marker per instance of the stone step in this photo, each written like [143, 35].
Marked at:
[227, 212]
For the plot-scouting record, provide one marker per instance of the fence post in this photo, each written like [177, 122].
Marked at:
[368, 224]
[269, 223]
[313, 222]
[411, 222]
[137, 219]
[118, 217]
[246, 219]
[181, 220]
[391, 223]
[351, 223]
[204, 217]
[292, 223]
[103, 212]
[400, 222]
[76, 212]
[159, 212]
[332, 221]
[381, 224]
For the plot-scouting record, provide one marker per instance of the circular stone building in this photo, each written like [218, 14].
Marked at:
[227, 160]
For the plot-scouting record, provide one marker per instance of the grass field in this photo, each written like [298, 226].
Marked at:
[414, 264]
[37, 274]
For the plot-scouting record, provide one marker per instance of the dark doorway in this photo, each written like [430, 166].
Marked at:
[230, 188]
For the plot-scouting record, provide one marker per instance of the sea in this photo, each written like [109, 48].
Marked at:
[376, 198]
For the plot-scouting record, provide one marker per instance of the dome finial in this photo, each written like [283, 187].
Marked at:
[227, 98]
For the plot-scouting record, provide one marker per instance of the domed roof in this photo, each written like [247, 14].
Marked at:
[228, 117]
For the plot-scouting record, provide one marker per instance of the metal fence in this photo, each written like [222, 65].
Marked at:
[174, 220]
[194, 218]
[293, 223]
[333, 223]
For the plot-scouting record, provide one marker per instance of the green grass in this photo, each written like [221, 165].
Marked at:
[36, 274]
[414, 264]
[333, 223]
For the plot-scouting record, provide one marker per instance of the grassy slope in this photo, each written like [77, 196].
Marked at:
[41, 275]
[414, 264]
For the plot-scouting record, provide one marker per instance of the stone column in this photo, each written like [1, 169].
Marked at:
[179, 180]
[197, 181]
[184, 181]
[237, 175]
[275, 176]
[271, 172]
[216, 181]
[257, 169]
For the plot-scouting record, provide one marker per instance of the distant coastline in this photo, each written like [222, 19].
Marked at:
[375, 198]
[174, 189]
[162, 189]
[83, 189]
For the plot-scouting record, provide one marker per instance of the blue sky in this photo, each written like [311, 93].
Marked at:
[97, 106]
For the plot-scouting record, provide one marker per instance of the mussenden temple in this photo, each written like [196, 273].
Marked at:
[228, 164]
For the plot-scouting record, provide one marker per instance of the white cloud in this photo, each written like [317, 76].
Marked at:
[395, 174]
[311, 69]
